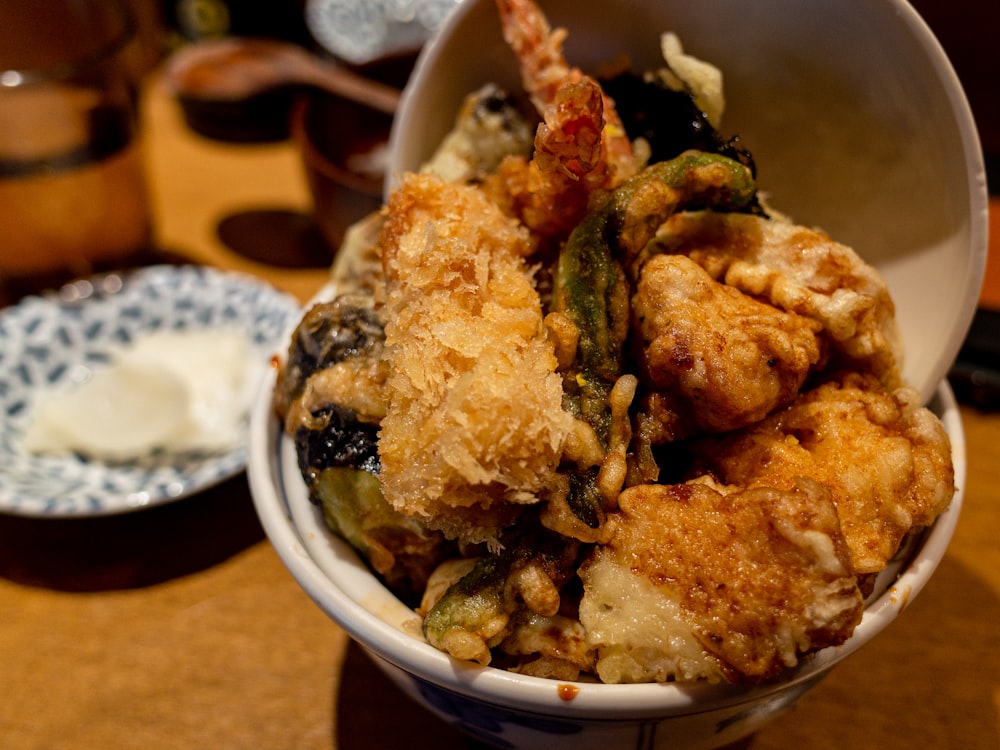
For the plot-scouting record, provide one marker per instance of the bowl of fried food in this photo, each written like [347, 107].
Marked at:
[625, 420]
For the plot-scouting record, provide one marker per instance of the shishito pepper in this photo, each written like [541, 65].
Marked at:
[596, 270]
[592, 288]
[525, 573]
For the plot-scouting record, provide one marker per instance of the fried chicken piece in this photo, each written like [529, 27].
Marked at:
[701, 581]
[799, 270]
[474, 426]
[720, 359]
[885, 459]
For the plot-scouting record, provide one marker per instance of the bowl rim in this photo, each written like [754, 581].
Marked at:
[979, 199]
[270, 455]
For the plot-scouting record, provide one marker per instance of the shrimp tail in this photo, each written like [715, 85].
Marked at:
[581, 145]
[538, 48]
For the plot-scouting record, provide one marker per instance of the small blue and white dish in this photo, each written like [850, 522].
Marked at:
[54, 341]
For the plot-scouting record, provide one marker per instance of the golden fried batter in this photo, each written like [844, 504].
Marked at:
[885, 459]
[723, 359]
[474, 426]
[704, 581]
[800, 270]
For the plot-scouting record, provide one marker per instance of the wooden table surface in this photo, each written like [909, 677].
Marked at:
[178, 626]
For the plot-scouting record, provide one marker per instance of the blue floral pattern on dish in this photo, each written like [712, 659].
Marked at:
[54, 341]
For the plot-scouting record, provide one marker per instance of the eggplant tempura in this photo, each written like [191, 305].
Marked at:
[592, 408]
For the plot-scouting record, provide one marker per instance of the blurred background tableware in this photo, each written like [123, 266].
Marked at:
[256, 90]
[325, 73]
[58, 345]
[343, 146]
[240, 88]
[364, 31]
[73, 192]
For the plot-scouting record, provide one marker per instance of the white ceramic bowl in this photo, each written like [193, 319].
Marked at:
[858, 124]
[509, 710]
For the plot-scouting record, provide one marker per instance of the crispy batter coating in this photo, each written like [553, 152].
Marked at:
[737, 583]
[554, 87]
[885, 459]
[474, 426]
[722, 359]
[705, 581]
[800, 270]
[334, 358]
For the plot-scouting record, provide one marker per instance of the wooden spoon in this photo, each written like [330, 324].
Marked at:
[236, 69]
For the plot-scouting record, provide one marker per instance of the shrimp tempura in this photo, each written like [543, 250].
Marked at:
[474, 428]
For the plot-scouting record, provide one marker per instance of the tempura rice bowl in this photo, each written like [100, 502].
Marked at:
[858, 125]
